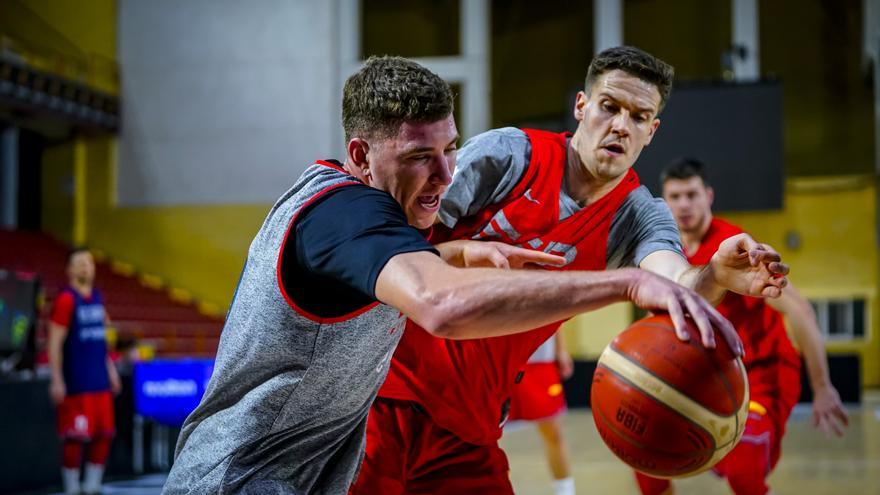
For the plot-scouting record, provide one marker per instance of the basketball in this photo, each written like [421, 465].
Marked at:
[668, 408]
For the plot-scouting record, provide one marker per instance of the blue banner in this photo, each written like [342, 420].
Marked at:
[166, 391]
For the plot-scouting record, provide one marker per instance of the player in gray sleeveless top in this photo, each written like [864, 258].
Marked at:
[330, 278]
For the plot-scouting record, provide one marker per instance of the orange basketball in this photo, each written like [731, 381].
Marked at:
[669, 408]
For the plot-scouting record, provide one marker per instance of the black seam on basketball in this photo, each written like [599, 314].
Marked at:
[652, 398]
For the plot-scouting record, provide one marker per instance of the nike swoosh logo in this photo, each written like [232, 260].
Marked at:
[528, 196]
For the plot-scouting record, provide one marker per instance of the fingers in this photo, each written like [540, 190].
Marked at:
[540, 257]
[521, 256]
[841, 414]
[746, 246]
[678, 320]
[832, 421]
[778, 268]
[771, 291]
[829, 426]
[707, 333]
[498, 260]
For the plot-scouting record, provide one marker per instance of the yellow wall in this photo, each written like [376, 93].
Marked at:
[90, 25]
[835, 219]
[199, 248]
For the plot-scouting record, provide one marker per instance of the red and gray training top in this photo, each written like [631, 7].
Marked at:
[510, 187]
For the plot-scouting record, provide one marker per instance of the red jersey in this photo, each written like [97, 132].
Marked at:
[760, 327]
[464, 385]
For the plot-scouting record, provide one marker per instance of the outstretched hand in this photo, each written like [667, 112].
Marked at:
[829, 416]
[653, 292]
[748, 267]
[496, 254]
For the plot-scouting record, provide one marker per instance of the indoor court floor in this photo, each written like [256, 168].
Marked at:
[810, 464]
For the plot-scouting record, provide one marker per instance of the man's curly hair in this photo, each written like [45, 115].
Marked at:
[388, 91]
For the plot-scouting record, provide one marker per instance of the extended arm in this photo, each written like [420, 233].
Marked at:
[828, 412]
[740, 264]
[483, 302]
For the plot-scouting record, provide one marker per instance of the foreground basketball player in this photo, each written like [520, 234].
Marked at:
[772, 363]
[330, 279]
[436, 425]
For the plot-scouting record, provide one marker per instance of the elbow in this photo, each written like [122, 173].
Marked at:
[439, 314]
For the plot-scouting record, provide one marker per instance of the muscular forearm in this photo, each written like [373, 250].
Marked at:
[471, 303]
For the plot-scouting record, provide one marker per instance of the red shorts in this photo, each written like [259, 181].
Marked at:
[408, 453]
[747, 466]
[87, 415]
[539, 395]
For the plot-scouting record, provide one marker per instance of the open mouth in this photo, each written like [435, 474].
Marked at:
[431, 202]
[614, 148]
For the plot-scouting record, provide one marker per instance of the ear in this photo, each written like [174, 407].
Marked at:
[710, 193]
[580, 102]
[358, 157]
[654, 125]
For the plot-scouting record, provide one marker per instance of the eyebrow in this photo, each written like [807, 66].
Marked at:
[618, 102]
[429, 148]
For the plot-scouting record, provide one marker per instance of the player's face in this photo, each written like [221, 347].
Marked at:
[690, 201]
[416, 167]
[615, 121]
[81, 268]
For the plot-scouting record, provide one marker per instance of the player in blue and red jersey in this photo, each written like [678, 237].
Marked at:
[83, 376]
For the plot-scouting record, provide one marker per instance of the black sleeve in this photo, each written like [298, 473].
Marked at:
[340, 245]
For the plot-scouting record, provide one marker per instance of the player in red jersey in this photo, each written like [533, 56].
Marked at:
[83, 376]
[773, 365]
[437, 421]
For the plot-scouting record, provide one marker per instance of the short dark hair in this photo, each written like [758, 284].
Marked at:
[635, 62]
[74, 251]
[683, 169]
[388, 91]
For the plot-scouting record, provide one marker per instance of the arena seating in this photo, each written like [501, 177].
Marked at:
[149, 316]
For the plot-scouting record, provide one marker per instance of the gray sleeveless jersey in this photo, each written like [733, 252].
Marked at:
[286, 408]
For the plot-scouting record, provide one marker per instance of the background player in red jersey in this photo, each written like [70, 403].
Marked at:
[772, 363]
[82, 375]
[539, 397]
[436, 424]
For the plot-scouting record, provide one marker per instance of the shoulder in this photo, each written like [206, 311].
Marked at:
[352, 207]
[65, 296]
[641, 204]
[502, 142]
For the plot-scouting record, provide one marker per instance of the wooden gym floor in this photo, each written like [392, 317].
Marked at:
[810, 464]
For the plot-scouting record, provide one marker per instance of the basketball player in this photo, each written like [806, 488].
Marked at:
[332, 276]
[83, 376]
[539, 397]
[772, 364]
[436, 424]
